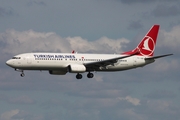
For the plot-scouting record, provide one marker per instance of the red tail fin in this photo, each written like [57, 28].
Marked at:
[147, 45]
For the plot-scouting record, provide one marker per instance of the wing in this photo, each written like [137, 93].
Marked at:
[94, 65]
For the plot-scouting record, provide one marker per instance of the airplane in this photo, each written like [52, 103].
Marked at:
[62, 63]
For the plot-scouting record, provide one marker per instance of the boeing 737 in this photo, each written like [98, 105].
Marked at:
[62, 63]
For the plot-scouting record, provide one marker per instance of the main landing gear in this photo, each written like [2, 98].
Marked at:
[89, 75]
[78, 76]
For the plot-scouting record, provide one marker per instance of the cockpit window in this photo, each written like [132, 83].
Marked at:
[16, 58]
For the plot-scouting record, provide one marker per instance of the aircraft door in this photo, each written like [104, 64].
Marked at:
[137, 62]
[134, 62]
[29, 61]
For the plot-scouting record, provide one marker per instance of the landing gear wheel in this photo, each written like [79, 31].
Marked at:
[90, 75]
[79, 76]
[22, 74]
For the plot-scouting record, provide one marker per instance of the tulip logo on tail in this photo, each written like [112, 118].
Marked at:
[147, 46]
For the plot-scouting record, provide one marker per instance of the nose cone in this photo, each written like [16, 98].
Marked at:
[9, 63]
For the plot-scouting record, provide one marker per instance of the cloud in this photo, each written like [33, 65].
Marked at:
[17, 114]
[161, 106]
[143, 1]
[30, 41]
[98, 78]
[3, 97]
[54, 102]
[134, 25]
[24, 99]
[170, 38]
[166, 11]
[36, 2]
[103, 93]
[166, 65]
[130, 113]
[102, 103]
[21, 100]
[9, 114]
[5, 12]
[161, 94]
[134, 101]
[102, 45]
[78, 114]
[21, 115]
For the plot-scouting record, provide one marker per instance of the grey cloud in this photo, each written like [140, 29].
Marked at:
[72, 88]
[103, 93]
[143, 1]
[17, 100]
[136, 1]
[6, 12]
[3, 97]
[33, 2]
[75, 109]
[28, 41]
[21, 100]
[169, 40]
[22, 115]
[160, 94]
[102, 103]
[134, 25]
[159, 109]
[166, 11]
[82, 114]
[163, 109]
[17, 114]
[54, 102]
[9, 114]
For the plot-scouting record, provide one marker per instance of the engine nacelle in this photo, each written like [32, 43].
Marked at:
[57, 72]
[75, 68]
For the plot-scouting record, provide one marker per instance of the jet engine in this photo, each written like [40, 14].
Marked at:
[57, 72]
[76, 68]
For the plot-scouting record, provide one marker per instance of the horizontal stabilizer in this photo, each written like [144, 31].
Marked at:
[156, 57]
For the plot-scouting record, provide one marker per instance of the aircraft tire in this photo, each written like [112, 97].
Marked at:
[90, 75]
[79, 76]
[22, 74]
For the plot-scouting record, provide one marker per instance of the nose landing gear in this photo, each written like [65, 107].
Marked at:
[22, 72]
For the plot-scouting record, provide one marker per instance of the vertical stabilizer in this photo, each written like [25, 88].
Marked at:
[147, 45]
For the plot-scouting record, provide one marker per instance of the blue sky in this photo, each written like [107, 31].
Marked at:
[92, 26]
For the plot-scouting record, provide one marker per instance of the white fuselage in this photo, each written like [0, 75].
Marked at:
[60, 61]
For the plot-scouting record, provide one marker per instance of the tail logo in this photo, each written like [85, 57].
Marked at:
[147, 47]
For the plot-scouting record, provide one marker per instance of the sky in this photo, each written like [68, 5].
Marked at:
[89, 26]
